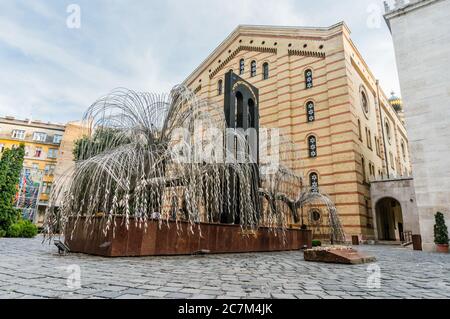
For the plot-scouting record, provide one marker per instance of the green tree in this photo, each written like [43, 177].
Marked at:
[440, 230]
[10, 167]
[102, 139]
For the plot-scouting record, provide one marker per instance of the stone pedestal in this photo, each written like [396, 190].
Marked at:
[337, 255]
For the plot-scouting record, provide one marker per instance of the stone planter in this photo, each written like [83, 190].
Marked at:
[170, 240]
[442, 248]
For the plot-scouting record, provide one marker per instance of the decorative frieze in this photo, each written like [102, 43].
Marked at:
[306, 53]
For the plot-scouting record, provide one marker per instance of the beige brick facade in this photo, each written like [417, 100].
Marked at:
[339, 76]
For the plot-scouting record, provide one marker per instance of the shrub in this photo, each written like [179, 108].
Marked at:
[2, 233]
[440, 230]
[10, 167]
[316, 243]
[29, 230]
[22, 229]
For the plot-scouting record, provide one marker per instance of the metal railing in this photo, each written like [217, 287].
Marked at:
[407, 238]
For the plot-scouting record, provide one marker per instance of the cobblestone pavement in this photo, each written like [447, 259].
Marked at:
[29, 269]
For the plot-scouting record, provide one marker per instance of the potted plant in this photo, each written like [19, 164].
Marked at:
[440, 234]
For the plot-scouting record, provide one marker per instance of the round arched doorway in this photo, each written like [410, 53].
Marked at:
[389, 219]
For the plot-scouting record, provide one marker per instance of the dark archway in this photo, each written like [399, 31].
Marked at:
[389, 219]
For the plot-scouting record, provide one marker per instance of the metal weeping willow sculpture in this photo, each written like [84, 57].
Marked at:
[169, 158]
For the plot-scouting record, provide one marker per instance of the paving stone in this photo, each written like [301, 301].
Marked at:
[283, 296]
[178, 295]
[306, 296]
[190, 291]
[331, 297]
[130, 296]
[109, 294]
[211, 292]
[31, 297]
[158, 294]
[203, 297]
[114, 288]
[170, 289]
[134, 291]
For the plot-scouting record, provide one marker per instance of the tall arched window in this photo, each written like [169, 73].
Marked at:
[241, 66]
[220, 87]
[312, 146]
[310, 112]
[359, 130]
[253, 68]
[309, 78]
[363, 165]
[403, 150]
[314, 182]
[388, 131]
[265, 71]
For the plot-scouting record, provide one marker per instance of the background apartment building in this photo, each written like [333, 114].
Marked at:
[48, 152]
[315, 86]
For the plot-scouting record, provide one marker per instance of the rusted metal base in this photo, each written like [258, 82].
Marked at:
[168, 240]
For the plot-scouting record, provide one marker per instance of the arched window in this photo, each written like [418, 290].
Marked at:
[312, 146]
[265, 71]
[388, 130]
[363, 165]
[403, 150]
[310, 112]
[314, 182]
[241, 66]
[359, 130]
[369, 138]
[220, 87]
[309, 78]
[253, 69]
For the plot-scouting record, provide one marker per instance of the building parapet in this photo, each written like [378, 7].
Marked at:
[402, 7]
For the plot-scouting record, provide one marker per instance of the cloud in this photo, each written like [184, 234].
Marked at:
[55, 73]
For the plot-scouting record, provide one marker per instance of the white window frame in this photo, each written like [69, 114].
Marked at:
[57, 138]
[39, 136]
[49, 169]
[18, 134]
[52, 153]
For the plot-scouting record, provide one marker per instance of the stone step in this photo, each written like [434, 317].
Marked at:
[389, 242]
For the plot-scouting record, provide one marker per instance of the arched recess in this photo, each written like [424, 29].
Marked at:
[389, 218]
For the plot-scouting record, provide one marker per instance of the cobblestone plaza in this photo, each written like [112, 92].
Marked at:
[30, 269]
